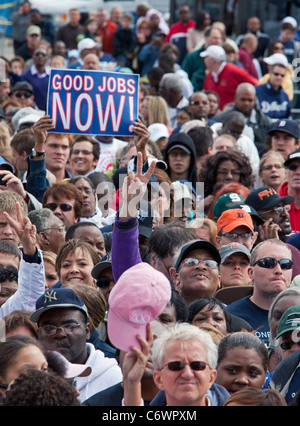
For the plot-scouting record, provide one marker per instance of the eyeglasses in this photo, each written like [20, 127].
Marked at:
[64, 207]
[277, 210]
[190, 261]
[271, 262]
[224, 173]
[286, 346]
[277, 74]
[51, 330]
[271, 166]
[83, 151]
[21, 94]
[293, 167]
[235, 236]
[179, 365]
[104, 282]
[61, 229]
[199, 103]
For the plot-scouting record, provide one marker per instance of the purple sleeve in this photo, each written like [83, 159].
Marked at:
[125, 246]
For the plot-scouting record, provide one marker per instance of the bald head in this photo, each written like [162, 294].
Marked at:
[250, 42]
[245, 96]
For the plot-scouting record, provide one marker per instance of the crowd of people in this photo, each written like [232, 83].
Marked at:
[160, 269]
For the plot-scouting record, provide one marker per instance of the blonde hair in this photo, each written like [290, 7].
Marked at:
[8, 200]
[49, 256]
[157, 111]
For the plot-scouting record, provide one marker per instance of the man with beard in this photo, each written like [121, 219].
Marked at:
[274, 210]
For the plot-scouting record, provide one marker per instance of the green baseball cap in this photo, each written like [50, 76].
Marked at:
[225, 202]
[289, 321]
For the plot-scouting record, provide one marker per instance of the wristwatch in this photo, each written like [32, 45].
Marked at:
[37, 153]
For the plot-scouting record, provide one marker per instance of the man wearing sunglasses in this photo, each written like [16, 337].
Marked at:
[22, 92]
[291, 187]
[38, 76]
[271, 268]
[196, 271]
[274, 209]
[273, 100]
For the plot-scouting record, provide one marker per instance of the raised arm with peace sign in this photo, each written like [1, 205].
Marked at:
[134, 188]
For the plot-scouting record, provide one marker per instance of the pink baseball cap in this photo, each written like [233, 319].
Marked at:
[138, 297]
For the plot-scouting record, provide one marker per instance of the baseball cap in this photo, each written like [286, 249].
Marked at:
[257, 220]
[138, 297]
[288, 126]
[57, 298]
[104, 263]
[157, 131]
[233, 218]
[295, 155]
[194, 245]
[86, 43]
[277, 59]
[145, 219]
[180, 140]
[215, 52]
[72, 370]
[33, 29]
[290, 20]
[225, 201]
[289, 321]
[181, 191]
[266, 197]
[8, 166]
[228, 249]
[22, 85]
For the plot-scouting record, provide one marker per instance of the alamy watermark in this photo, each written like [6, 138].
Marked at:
[181, 198]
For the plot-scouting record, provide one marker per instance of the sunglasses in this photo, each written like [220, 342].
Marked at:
[64, 207]
[179, 365]
[20, 95]
[40, 54]
[104, 282]
[190, 261]
[270, 263]
[286, 346]
[293, 167]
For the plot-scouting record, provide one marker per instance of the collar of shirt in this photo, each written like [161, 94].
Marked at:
[46, 72]
[215, 75]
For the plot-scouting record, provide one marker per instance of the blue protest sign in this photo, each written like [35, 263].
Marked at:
[93, 102]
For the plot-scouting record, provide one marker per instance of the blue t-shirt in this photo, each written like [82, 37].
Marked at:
[254, 315]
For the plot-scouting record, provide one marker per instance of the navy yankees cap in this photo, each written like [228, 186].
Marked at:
[57, 298]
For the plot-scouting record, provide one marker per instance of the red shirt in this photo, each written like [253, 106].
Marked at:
[107, 34]
[179, 28]
[228, 80]
[294, 212]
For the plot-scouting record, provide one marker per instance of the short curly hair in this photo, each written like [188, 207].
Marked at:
[208, 174]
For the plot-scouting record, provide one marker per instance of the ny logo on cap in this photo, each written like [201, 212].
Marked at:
[49, 296]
